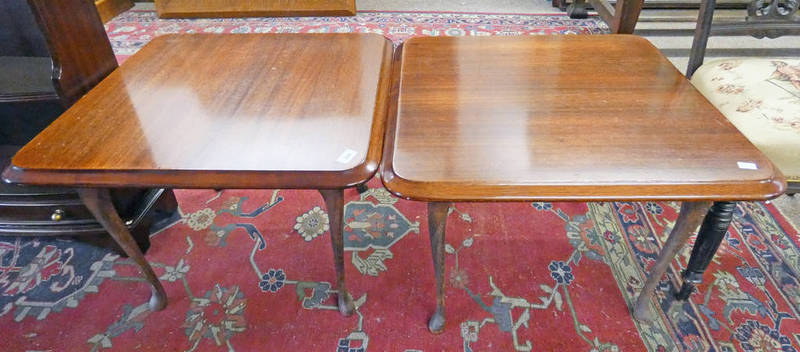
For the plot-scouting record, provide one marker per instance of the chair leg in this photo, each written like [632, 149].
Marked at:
[577, 9]
[98, 201]
[626, 14]
[691, 214]
[437, 224]
[711, 234]
[334, 201]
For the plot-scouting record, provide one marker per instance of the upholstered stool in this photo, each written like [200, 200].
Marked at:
[761, 97]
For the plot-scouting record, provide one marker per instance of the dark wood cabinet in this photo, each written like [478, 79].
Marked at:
[59, 211]
[51, 53]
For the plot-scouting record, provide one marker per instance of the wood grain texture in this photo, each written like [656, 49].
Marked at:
[35, 89]
[626, 15]
[535, 118]
[224, 111]
[253, 8]
[108, 9]
[78, 44]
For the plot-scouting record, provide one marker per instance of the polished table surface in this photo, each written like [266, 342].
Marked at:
[560, 118]
[225, 111]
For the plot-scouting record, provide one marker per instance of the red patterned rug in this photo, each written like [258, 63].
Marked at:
[131, 30]
[252, 270]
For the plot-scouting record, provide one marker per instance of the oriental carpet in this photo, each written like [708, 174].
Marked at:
[249, 270]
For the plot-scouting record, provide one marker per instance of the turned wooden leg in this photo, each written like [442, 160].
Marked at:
[437, 224]
[98, 201]
[690, 216]
[334, 201]
[711, 234]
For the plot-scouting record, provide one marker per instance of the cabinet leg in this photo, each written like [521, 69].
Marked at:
[165, 212]
[334, 201]
[437, 224]
[691, 214]
[141, 235]
[167, 203]
[711, 233]
[98, 201]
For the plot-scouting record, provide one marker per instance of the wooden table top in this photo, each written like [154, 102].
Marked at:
[560, 118]
[224, 111]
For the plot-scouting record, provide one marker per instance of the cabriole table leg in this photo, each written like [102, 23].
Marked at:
[437, 224]
[691, 214]
[98, 201]
[334, 201]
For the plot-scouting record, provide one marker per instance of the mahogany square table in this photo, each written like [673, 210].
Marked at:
[565, 118]
[303, 111]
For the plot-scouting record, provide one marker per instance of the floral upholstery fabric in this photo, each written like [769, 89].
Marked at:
[761, 97]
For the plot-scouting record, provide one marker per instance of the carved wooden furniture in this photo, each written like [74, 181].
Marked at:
[48, 61]
[54, 59]
[253, 8]
[760, 96]
[58, 211]
[28, 101]
[300, 111]
[471, 127]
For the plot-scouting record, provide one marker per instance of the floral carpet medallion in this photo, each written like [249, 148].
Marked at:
[248, 270]
[375, 228]
[42, 276]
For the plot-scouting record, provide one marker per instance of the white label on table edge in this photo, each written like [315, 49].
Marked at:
[346, 156]
[747, 165]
